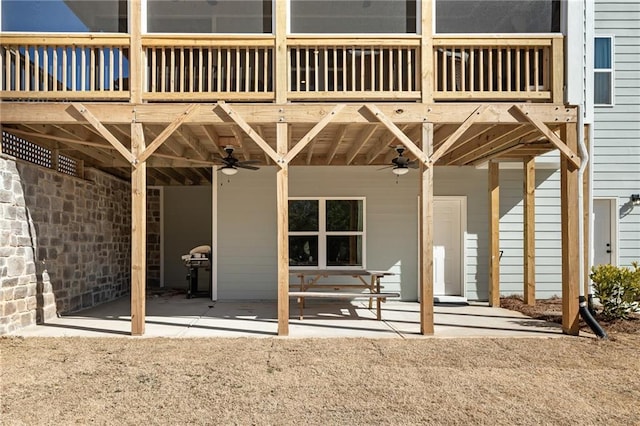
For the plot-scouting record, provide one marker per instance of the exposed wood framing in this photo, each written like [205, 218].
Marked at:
[529, 237]
[282, 184]
[570, 224]
[337, 140]
[494, 234]
[95, 122]
[466, 124]
[237, 118]
[268, 114]
[177, 122]
[524, 111]
[363, 137]
[313, 133]
[426, 237]
[408, 143]
[138, 234]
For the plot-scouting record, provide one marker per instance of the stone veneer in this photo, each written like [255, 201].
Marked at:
[65, 242]
[153, 237]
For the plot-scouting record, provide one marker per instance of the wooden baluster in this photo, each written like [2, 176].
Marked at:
[527, 68]
[536, 69]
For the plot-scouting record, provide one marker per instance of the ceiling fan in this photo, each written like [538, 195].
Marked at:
[231, 164]
[401, 164]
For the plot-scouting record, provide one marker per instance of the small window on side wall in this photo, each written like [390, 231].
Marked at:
[603, 71]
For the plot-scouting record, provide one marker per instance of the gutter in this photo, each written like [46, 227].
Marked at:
[585, 313]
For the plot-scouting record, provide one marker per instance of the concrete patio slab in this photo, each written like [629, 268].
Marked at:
[177, 316]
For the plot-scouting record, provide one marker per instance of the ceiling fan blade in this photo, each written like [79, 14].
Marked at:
[249, 162]
[386, 167]
[244, 166]
[413, 164]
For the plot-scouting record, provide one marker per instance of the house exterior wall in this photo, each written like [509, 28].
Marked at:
[247, 235]
[186, 224]
[617, 128]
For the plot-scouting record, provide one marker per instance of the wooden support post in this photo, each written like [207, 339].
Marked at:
[136, 54]
[570, 225]
[529, 273]
[494, 234]
[426, 228]
[426, 51]
[281, 77]
[138, 233]
[282, 183]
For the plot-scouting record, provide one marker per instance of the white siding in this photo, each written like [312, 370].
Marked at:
[617, 128]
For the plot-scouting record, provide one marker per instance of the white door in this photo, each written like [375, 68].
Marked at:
[449, 229]
[603, 228]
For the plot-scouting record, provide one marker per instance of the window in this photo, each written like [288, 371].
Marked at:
[353, 16]
[327, 232]
[497, 16]
[603, 71]
[77, 16]
[210, 16]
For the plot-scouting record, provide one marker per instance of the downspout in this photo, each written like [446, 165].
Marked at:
[582, 300]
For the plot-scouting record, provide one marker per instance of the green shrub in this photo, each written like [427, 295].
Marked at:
[618, 289]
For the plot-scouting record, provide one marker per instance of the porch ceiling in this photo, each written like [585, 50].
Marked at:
[354, 137]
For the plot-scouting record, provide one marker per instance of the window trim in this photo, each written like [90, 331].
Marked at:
[322, 232]
[610, 71]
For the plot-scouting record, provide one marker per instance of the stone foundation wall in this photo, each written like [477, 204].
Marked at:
[153, 237]
[26, 294]
[65, 242]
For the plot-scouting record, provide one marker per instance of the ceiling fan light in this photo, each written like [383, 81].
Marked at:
[229, 171]
[399, 171]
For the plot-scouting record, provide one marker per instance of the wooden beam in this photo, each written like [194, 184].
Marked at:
[486, 143]
[570, 225]
[384, 143]
[104, 132]
[215, 139]
[282, 184]
[473, 117]
[269, 114]
[408, 143]
[337, 140]
[138, 233]
[237, 118]
[525, 111]
[168, 131]
[529, 236]
[426, 237]
[186, 136]
[494, 234]
[280, 79]
[239, 139]
[313, 132]
[362, 138]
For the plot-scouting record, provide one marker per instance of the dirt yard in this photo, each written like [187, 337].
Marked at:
[134, 381]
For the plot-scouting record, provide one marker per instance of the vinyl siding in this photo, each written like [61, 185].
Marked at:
[246, 246]
[617, 128]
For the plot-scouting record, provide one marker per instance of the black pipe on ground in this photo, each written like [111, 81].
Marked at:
[590, 320]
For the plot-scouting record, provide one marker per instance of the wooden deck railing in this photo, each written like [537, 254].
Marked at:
[498, 68]
[60, 67]
[209, 68]
[362, 68]
[206, 68]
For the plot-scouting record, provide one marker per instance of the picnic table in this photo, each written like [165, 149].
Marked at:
[368, 281]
